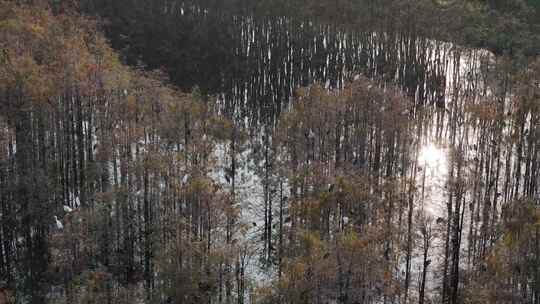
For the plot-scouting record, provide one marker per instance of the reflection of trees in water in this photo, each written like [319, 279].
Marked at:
[255, 64]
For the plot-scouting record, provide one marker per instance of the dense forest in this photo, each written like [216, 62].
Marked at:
[270, 151]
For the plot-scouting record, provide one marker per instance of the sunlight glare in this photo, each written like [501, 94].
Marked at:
[431, 155]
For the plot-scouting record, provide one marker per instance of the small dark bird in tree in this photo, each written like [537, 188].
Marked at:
[428, 262]
[440, 220]
[204, 286]
[228, 173]
[254, 224]
[387, 253]
[4, 58]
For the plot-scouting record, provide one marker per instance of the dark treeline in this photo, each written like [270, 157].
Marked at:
[254, 64]
[497, 25]
[254, 61]
[354, 151]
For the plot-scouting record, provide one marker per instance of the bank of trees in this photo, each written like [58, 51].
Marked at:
[343, 235]
[120, 158]
[223, 47]
[115, 186]
[359, 227]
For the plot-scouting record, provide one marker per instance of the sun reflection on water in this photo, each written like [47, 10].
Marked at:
[432, 157]
[433, 164]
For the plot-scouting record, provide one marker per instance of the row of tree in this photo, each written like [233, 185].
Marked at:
[116, 187]
[105, 174]
[361, 219]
